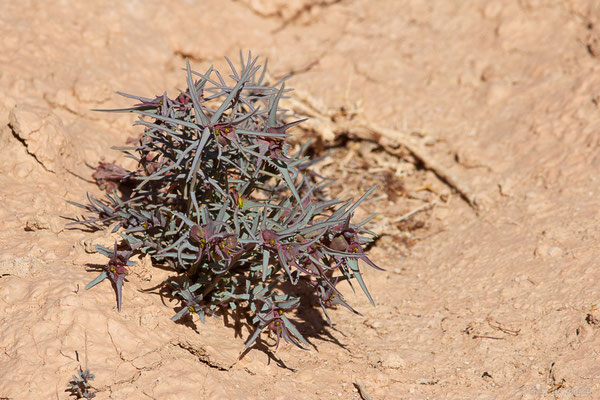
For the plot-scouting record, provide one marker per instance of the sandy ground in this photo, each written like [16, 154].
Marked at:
[495, 300]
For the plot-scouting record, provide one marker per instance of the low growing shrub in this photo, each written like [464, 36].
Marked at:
[218, 198]
[80, 386]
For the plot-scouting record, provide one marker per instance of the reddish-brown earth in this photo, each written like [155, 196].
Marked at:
[495, 300]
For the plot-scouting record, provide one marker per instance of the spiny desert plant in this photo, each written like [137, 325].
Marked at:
[218, 198]
[80, 386]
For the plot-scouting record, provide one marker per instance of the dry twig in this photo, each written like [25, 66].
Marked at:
[417, 210]
[498, 326]
[392, 141]
[362, 391]
[486, 337]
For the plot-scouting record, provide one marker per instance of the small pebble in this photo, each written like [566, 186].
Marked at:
[373, 324]
[555, 252]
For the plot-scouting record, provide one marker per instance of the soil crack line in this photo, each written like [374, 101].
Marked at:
[200, 356]
[305, 9]
[24, 143]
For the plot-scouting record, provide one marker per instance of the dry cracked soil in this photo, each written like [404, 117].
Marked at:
[478, 119]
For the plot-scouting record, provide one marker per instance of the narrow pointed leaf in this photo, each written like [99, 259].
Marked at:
[103, 275]
[194, 95]
[353, 264]
[253, 338]
[272, 121]
[179, 314]
[288, 324]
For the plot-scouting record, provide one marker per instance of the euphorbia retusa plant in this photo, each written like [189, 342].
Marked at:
[218, 197]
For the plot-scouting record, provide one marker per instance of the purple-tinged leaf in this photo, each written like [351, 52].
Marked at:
[192, 88]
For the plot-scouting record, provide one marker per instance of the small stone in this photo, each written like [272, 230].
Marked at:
[507, 188]
[541, 250]
[37, 223]
[393, 361]
[374, 324]
[555, 252]
[88, 246]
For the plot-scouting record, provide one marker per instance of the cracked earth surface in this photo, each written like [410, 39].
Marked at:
[494, 300]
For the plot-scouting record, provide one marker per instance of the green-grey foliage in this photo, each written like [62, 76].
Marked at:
[217, 198]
